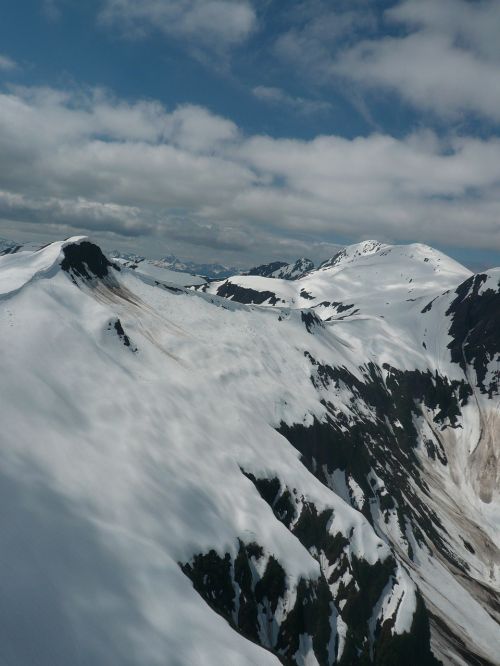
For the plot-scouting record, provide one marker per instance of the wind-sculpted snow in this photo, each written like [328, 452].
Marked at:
[188, 479]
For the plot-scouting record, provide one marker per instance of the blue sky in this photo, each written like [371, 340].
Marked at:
[252, 130]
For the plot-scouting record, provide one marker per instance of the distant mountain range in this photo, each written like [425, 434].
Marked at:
[277, 269]
[171, 262]
[7, 246]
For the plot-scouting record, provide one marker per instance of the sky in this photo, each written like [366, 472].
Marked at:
[245, 131]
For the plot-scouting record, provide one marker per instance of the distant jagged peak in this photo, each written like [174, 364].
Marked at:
[352, 252]
[267, 270]
[296, 270]
[364, 248]
[125, 257]
[7, 246]
[283, 270]
[210, 271]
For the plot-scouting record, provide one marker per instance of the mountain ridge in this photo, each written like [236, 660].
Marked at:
[292, 482]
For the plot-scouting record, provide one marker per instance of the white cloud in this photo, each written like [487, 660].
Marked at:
[317, 29]
[51, 9]
[278, 97]
[71, 213]
[473, 24]
[213, 23]
[95, 163]
[6, 63]
[447, 64]
[442, 57]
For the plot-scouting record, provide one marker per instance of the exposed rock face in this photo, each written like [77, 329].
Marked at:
[85, 260]
[243, 295]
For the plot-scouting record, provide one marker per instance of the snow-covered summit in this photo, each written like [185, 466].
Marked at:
[351, 252]
[366, 279]
[294, 271]
[413, 253]
[20, 267]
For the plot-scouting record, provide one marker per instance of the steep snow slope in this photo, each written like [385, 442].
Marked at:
[176, 466]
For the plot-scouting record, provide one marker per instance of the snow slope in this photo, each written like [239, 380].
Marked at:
[156, 272]
[170, 463]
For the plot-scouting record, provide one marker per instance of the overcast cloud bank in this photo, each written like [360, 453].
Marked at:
[185, 178]
[90, 161]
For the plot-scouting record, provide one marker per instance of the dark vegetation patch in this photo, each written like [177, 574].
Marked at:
[219, 580]
[250, 603]
[360, 601]
[412, 647]
[475, 330]
[310, 614]
[380, 435]
[211, 578]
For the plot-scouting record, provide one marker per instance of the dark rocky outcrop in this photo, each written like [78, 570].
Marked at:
[86, 261]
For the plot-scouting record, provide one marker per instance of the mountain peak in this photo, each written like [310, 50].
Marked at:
[85, 260]
[282, 270]
[415, 254]
[352, 252]
[267, 270]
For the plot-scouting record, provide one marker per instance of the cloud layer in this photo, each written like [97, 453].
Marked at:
[213, 23]
[441, 57]
[278, 97]
[88, 161]
[6, 63]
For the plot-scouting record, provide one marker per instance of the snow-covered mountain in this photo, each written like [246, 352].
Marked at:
[257, 471]
[369, 277]
[282, 270]
[7, 246]
[210, 271]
